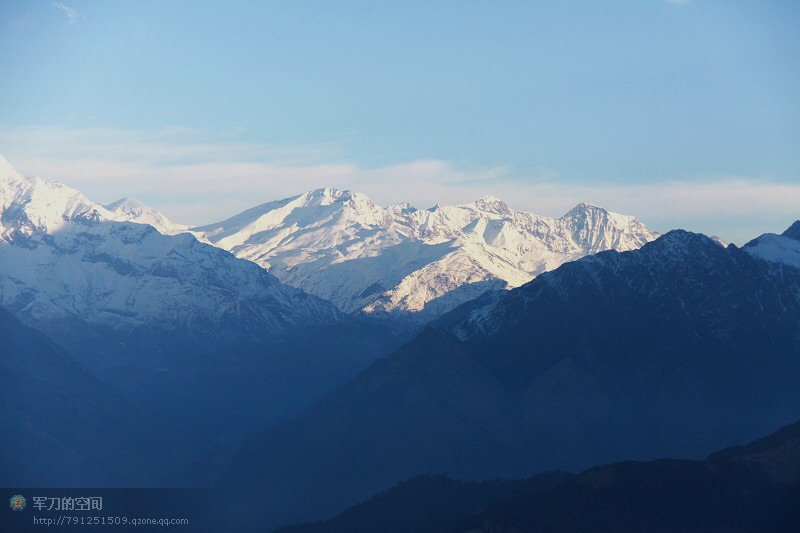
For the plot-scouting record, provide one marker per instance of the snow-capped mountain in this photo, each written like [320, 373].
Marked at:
[65, 258]
[31, 204]
[784, 248]
[177, 325]
[400, 260]
[135, 211]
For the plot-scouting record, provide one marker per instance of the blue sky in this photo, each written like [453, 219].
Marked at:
[684, 113]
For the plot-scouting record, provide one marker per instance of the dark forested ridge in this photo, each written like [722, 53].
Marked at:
[745, 488]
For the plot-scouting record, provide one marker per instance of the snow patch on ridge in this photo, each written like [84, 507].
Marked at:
[776, 248]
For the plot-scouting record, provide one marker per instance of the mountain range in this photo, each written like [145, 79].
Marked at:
[672, 350]
[67, 260]
[162, 316]
[316, 350]
[147, 304]
[411, 264]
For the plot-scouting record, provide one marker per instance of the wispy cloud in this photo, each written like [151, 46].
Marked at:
[72, 15]
[196, 179]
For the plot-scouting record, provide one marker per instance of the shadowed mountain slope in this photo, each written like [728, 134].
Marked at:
[672, 350]
[743, 488]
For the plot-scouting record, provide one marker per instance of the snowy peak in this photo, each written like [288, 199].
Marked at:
[127, 205]
[793, 231]
[358, 206]
[32, 205]
[784, 248]
[127, 209]
[582, 210]
[595, 229]
[331, 200]
[65, 257]
[590, 214]
[329, 196]
[341, 246]
[492, 204]
[315, 219]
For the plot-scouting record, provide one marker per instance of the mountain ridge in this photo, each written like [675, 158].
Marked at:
[673, 349]
[68, 259]
[783, 248]
[399, 262]
[743, 488]
[135, 211]
[408, 263]
[171, 322]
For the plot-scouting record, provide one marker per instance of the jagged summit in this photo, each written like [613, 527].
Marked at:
[326, 196]
[31, 205]
[585, 210]
[492, 204]
[490, 198]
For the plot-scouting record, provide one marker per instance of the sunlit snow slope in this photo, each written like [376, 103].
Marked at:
[63, 256]
[399, 260]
